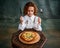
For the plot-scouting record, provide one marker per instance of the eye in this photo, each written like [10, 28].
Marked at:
[31, 10]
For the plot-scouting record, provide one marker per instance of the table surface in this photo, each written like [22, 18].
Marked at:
[17, 44]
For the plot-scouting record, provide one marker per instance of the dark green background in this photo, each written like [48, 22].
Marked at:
[11, 10]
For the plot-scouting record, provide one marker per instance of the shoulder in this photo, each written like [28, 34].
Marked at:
[25, 16]
[37, 17]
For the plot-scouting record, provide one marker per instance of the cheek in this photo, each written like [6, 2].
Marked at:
[32, 12]
[27, 12]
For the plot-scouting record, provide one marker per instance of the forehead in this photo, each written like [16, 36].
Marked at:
[30, 8]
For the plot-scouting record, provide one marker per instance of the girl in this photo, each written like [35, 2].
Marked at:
[30, 20]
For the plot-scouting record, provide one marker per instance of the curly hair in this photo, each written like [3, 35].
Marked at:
[28, 5]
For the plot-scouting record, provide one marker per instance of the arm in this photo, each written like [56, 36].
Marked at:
[21, 24]
[37, 25]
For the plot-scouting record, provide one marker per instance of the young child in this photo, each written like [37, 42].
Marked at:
[30, 20]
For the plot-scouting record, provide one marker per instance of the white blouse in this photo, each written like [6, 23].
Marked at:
[30, 22]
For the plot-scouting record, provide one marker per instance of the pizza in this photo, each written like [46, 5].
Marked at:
[28, 36]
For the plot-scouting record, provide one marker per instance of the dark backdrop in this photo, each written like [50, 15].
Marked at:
[11, 10]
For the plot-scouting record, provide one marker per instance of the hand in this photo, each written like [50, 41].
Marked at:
[21, 19]
[39, 20]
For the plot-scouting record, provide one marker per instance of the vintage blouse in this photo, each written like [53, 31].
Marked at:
[30, 22]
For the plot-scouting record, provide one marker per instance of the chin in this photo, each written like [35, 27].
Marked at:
[30, 15]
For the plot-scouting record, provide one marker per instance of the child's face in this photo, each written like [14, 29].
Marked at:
[30, 11]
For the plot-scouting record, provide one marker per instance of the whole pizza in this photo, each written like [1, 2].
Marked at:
[29, 37]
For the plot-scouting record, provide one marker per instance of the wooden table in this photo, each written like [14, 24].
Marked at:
[17, 44]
